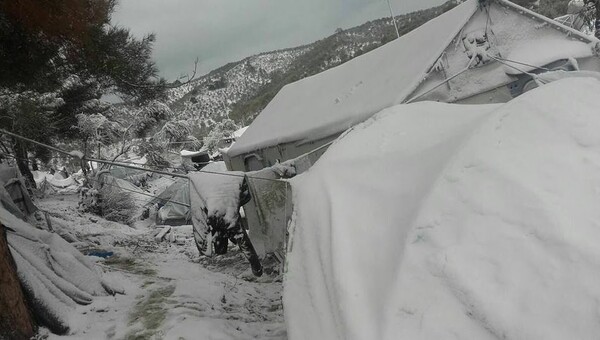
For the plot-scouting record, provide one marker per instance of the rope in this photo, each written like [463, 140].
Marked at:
[125, 165]
[500, 59]
[116, 186]
[440, 84]
[138, 192]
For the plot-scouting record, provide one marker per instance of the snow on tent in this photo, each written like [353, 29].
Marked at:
[444, 221]
[137, 177]
[56, 183]
[214, 195]
[55, 275]
[333, 101]
[456, 57]
[170, 209]
[194, 159]
[140, 196]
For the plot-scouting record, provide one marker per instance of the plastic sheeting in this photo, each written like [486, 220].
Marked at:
[436, 221]
[172, 212]
[55, 275]
[269, 210]
[18, 192]
[56, 183]
[214, 195]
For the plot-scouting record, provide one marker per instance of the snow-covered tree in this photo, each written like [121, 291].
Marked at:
[69, 52]
[221, 131]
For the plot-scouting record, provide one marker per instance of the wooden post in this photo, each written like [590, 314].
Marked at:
[15, 318]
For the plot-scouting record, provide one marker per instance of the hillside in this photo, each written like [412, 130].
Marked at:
[240, 90]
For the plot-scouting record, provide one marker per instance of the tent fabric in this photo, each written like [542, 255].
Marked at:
[7, 202]
[139, 196]
[17, 191]
[56, 183]
[7, 173]
[270, 207]
[55, 275]
[171, 212]
[332, 101]
[427, 222]
[214, 196]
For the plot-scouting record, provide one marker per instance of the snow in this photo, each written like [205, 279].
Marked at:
[170, 291]
[55, 275]
[139, 196]
[137, 160]
[56, 183]
[77, 153]
[334, 100]
[538, 53]
[214, 192]
[439, 221]
[570, 31]
[187, 153]
[239, 132]
[548, 77]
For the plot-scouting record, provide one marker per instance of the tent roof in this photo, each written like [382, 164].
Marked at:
[334, 100]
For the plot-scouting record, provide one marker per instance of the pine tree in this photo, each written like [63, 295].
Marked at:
[67, 50]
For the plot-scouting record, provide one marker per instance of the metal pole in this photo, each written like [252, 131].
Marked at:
[393, 18]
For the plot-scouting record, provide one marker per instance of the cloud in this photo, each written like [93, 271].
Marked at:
[221, 31]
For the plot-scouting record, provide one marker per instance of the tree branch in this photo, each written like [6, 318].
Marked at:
[147, 86]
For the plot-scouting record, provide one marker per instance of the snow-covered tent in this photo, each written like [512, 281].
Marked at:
[443, 221]
[461, 56]
[56, 183]
[173, 204]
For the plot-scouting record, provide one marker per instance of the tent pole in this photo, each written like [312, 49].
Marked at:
[393, 18]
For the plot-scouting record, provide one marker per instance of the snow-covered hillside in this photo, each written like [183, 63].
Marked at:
[210, 97]
[240, 90]
[439, 221]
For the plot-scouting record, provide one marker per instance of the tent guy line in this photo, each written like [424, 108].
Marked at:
[82, 157]
[138, 192]
[116, 186]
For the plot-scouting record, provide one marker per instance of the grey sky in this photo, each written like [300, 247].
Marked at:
[221, 31]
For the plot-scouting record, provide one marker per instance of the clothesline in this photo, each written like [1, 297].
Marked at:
[78, 155]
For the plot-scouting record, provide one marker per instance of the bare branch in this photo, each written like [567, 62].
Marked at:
[147, 86]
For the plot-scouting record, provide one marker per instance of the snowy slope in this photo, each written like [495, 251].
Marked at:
[212, 96]
[241, 89]
[437, 221]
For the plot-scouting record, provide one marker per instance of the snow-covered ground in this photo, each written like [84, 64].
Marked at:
[170, 291]
[439, 221]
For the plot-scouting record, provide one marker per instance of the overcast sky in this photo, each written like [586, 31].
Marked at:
[221, 31]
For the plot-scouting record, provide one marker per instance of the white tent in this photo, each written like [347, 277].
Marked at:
[445, 221]
[446, 59]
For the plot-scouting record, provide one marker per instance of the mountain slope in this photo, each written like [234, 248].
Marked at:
[240, 90]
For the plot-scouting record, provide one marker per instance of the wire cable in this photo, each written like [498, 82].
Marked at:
[125, 165]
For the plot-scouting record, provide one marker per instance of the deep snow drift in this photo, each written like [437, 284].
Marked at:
[439, 221]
